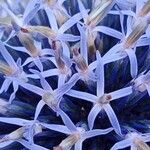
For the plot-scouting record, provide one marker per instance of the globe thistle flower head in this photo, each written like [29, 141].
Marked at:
[74, 74]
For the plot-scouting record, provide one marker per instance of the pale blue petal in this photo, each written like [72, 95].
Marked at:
[31, 146]
[32, 88]
[15, 121]
[61, 80]
[83, 11]
[31, 9]
[122, 144]
[39, 107]
[83, 43]
[7, 56]
[67, 86]
[13, 95]
[82, 95]
[69, 23]
[68, 37]
[28, 60]
[121, 93]
[78, 145]
[109, 31]
[133, 62]
[58, 128]
[96, 132]
[5, 85]
[113, 118]
[4, 144]
[66, 50]
[43, 82]
[38, 63]
[52, 19]
[67, 121]
[93, 114]
[100, 75]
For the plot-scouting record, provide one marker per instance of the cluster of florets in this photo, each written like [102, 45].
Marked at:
[86, 65]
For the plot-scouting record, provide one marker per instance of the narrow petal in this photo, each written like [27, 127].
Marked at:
[32, 88]
[13, 95]
[31, 9]
[109, 31]
[58, 128]
[133, 62]
[5, 85]
[100, 75]
[4, 144]
[7, 56]
[28, 60]
[112, 117]
[66, 50]
[82, 10]
[43, 82]
[31, 146]
[39, 107]
[112, 58]
[113, 50]
[38, 63]
[69, 23]
[78, 145]
[61, 80]
[68, 37]
[47, 51]
[143, 42]
[50, 72]
[122, 144]
[52, 19]
[18, 48]
[83, 43]
[82, 95]
[121, 93]
[67, 86]
[15, 121]
[67, 121]
[93, 114]
[96, 132]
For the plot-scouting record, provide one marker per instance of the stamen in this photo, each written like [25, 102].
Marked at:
[5, 69]
[99, 12]
[145, 10]
[79, 60]
[15, 135]
[27, 41]
[141, 145]
[50, 100]
[45, 31]
[136, 33]
[68, 142]
[90, 40]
